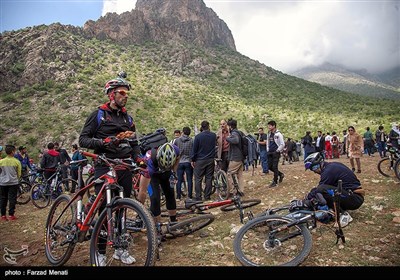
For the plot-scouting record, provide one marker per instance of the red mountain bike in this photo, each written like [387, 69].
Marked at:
[124, 224]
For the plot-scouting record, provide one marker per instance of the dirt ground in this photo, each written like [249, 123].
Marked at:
[372, 239]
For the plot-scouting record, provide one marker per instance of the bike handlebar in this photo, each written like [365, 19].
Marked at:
[110, 161]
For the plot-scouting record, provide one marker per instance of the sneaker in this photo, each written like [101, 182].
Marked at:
[272, 185]
[102, 259]
[4, 218]
[123, 255]
[345, 219]
[281, 177]
[12, 218]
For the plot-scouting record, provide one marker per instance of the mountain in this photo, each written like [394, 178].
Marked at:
[188, 21]
[385, 85]
[51, 79]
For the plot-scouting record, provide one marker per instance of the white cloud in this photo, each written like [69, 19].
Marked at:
[117, 6]
[290, 35]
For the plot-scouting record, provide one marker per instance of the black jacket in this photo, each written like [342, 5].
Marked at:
[114, 122]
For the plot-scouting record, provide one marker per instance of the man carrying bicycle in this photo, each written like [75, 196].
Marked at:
[331, 173]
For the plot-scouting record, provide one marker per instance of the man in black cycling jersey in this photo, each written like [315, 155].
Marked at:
[99, 133]
[331, 172]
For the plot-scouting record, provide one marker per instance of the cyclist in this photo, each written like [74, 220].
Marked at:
[331, 172]
[99, 134]
[160, 164]
[49, 161]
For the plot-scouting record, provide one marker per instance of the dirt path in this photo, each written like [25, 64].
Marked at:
[373, 238]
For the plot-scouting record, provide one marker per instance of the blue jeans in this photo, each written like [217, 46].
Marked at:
[186, 168]
[264, 161]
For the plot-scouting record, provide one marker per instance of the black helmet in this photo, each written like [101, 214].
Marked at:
[114, 83]
[313, 160]
[122, 75]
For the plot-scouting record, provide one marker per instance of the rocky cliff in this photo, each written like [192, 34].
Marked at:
[183, 21]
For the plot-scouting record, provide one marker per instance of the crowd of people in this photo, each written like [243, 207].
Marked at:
[194, 159]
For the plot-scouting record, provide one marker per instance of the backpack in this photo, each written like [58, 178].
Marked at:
[152, 141]
[244, 144]
[101, 118]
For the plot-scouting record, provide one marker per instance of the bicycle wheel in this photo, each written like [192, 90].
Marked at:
[134, 236]
[397, 168]
[244, 203]
[23, 192]
[59, 238]
[221, 184]
[40, 195]
[257, 243]
[65, 185]
[191, 225]
[385, 168]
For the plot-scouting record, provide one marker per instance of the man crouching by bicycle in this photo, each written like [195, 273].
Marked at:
[322, 196]
[160, 164]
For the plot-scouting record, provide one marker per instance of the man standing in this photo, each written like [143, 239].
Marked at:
[185, 145]
[319, 143]
[23, 157]
[223, 146]
[262, 144]
[275, 145]
[10, 172]
[235, 156]
[99, 133]
[202, 157]
[64, 159]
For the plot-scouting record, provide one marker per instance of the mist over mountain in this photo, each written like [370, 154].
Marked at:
[383, 85]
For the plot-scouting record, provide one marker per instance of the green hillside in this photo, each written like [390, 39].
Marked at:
[175, 86]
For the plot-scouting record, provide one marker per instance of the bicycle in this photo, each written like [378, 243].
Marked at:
[283, 240]
[124, 224]
[43, 193]
[386, 166]
[25, 185]
[229, 204]
[220, 181]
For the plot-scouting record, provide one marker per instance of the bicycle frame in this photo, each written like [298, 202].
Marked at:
[110, 183]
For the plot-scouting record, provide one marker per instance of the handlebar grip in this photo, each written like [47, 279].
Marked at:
[94, 156]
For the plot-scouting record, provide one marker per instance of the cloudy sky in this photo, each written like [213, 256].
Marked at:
[286, 35]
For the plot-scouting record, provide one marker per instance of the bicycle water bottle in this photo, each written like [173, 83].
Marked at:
[80, 212]
[90, 203]
[53, 184]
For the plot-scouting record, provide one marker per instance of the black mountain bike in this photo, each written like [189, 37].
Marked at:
[282, 240]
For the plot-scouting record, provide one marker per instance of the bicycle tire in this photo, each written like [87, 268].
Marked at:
[397, 168]
[136, 235]
[55, 235]
[180, 211]
[65, 185]
[245, 204]
[251, 246]
[90, 191]
[221, 185]
[23, 192]
[384, 167]
[191, 225]
[40, 196]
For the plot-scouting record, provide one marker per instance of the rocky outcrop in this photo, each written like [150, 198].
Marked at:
[183, 21]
